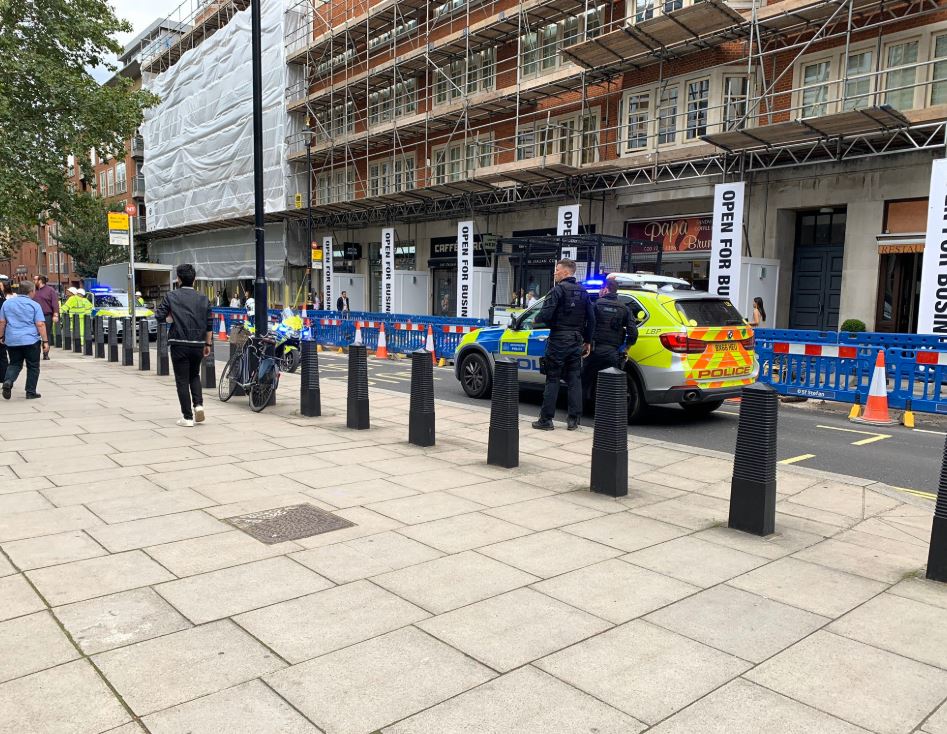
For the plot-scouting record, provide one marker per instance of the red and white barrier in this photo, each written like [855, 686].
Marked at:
[816, 350]
[930, 358]
[449, 329]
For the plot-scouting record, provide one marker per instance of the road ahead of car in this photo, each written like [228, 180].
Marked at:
[814, 438]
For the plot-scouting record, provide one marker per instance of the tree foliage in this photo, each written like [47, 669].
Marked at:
[50, 107]
[83, 234]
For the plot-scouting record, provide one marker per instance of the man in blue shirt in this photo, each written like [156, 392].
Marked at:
[23, 331]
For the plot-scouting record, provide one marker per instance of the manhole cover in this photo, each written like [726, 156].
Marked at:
[288, 523]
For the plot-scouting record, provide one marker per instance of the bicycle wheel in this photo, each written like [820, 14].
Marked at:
[227, 385]
[262, 390]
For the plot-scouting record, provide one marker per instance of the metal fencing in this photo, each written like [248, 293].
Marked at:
[838, 366]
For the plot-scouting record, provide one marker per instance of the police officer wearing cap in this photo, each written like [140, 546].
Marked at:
[615, 331]
[567, 312]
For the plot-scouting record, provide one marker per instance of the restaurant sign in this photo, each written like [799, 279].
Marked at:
[682, 234]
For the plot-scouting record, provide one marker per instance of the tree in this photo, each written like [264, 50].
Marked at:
[83, 234]
[50, 107]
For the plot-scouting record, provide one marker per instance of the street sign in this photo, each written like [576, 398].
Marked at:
[118, 229]
[131, 210]
[299, 201]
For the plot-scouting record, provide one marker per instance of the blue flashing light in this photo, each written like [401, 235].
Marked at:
[594, 281]
[100, 289]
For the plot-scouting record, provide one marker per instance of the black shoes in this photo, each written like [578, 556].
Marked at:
[7, 390]
[45, 357]
[543, 425]
[572, 424]
[33, 396]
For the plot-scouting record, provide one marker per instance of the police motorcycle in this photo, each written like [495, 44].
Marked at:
[289, 333]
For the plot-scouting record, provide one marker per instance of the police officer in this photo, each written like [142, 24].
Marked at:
[567, 312]
[615, 331]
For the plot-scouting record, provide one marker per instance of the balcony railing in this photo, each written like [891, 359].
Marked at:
[138, 187]
[138, 147]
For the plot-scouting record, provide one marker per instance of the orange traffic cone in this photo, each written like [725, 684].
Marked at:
[429, 344]
[222, 333]
[876, 408]
[382, 351]
[358, 334]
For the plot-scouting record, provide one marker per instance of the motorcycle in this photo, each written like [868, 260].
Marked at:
[288, 334]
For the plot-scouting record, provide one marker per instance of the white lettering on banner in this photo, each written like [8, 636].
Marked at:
[567, 226]
[932, 314]
[465, 261]
[726, 241]
[327, 254]
[387, 269]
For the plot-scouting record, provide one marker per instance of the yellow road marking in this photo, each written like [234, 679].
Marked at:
[917, 492]
[795, 459]
[862, 442]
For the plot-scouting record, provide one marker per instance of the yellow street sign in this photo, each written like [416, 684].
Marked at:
[118, 221]
[299, 201]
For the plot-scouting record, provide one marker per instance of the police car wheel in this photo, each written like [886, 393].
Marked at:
[636, 402]
[702, 408]
[475, 376]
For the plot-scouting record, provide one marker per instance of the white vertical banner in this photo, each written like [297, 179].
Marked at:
[465, 261]
[726, 241]
[388, 270]
[932, 314]
[567, 225]
[328, 303]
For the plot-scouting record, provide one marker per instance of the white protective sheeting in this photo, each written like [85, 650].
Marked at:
[199, 139]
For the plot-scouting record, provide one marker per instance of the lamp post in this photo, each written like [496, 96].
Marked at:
[259, 284]
[308, 134]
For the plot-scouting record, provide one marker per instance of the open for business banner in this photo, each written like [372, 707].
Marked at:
[328, 301]
[465, 263]
[387, 269]
[726, 241]
[567, 225]
[932, 313]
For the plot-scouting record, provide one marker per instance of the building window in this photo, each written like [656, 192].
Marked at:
[641, 10]
[638, 110]
[397, 31]
[335, 186]
[735, 93]
[525, 142]
[394, 101]
[448, 7]
[858, 85]
[111, 181]
[102, 185]
[901, 78]
[390, 176]
[480, 71]
[590, 138]
[698, 101]
[667, 116]
[121, 178]
[452, 163]
[540, 49]
[815, 93]
[939, 87]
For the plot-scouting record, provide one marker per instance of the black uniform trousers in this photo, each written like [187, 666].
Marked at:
[601, 358]
[563, 362]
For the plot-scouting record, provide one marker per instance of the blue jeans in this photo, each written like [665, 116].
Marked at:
[17, 355]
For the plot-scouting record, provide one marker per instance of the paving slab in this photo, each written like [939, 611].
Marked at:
[694, 511]
[937, 723]
[156, 530]
[360, 493]
[525, 701]
[329, 620]
[365, 687]
[107, 622]
[615, 590]
[463, 532]
[87, 492]
[892, 696]
[425, 507]
[626, 531]
[549, 553]
[453, 581]
[742, 707]
[870, 563]
[499, 492]
[237, 589]
[45, 522]
[923, 590]
[163, 672]
[436, 480]
[249, 708]
[364, 557]
[809, 586]
[695, 561]
[6, 568]
[97, 577]
[67, 699]
[52, 550]
[23, 502]
[783, 542]
[646, 671]
[32, 643]
[137, 507]
[211, 552]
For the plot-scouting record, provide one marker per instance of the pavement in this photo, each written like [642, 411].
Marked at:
[459, 597]
[810, 435]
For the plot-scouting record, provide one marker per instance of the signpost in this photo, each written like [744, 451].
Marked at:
[121, 234]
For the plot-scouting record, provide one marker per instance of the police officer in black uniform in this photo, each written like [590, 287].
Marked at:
[615, 331]
[567, 312]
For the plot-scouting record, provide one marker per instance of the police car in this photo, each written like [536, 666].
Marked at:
[693, 348]
[109, 304]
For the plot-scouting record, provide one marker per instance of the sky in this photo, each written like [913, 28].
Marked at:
[140, 15]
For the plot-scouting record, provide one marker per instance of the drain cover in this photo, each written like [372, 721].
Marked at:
[288, 523]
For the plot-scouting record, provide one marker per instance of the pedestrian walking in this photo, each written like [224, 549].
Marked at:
[189, 339]
[614, 332]
[235, 301]
[342, 304]
[567, 312]
[6, 291]
[23, 331]
[48, 299]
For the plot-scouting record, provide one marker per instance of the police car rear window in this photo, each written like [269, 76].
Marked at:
[709, 312]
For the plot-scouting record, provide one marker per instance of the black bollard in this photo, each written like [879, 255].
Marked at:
[234, 349]
[310, 399]
[128, 341]
[99, 328]
[64, 321]
[610, 437]
[503, 446]
[208, 371]
[77, 333]
[89, 335]
[421, 411]
[753, 487]
[164, 367]
[57, 333]
[144, 347]
[357, 415]
[113, 339]
[937, 555]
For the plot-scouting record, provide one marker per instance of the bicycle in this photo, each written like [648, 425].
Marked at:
[256, 369]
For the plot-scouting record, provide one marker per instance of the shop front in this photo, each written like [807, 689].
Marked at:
[683, 244]
[900, 252]
[443, 266]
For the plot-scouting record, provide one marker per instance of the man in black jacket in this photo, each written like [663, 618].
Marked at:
[615, 331]
[567, 311]
[192, 328]
[342, 304]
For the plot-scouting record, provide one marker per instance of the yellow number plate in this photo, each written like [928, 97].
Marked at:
[726, 347]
